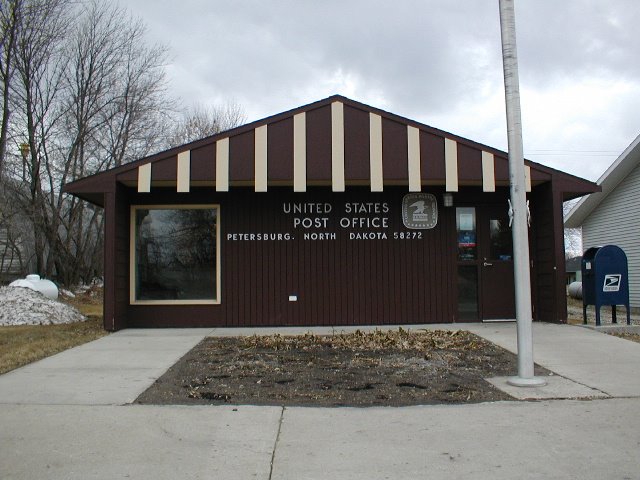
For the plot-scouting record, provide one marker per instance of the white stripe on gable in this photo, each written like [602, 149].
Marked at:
[299, 153]
[337, 147]
[184, 171]
[261, 159]
[488, 172]
[451, 164]
[222, 165]
[413, 160]
[144, 178]
[375, 152]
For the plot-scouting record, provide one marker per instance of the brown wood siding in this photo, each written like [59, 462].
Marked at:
[338, 282]
[165, 170]
[242, 157]
[109, 312]
[544, 262]
[121, 259]
[469, 164]
[116, 264]
[394, 151]
[128, 176]
[560, 293]
[501, 169]
[203, 163]
[432, 167]
[356, 144]
[319, 144]
[280, 150]
[539, 176]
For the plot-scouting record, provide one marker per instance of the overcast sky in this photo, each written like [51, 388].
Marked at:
[435, 61]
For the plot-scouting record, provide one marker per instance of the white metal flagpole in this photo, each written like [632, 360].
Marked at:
[522, 277]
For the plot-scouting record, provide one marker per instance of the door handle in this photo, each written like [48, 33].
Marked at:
[487, 264]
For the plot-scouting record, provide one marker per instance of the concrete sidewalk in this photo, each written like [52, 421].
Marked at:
[65, 418]
[603, 364]
[112, 370]
[526, 440]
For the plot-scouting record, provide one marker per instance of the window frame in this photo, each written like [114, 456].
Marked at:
[132, 254]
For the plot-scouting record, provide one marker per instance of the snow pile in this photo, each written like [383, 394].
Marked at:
[22, 306]
[67, 293]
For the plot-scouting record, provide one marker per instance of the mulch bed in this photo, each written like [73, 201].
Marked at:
[396, 368]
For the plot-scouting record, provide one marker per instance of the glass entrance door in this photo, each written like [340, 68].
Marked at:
[467, 259]
[484, 264]
[497, 291]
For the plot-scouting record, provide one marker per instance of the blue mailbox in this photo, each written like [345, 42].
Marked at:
[605, 280]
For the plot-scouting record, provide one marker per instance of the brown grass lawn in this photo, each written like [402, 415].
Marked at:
[634, 337]
[23, 344]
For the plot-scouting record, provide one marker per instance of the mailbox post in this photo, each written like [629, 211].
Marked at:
[605, 281]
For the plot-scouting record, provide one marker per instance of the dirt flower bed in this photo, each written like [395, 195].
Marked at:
[360, 369]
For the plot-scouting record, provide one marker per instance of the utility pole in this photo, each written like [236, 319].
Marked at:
[519, 230]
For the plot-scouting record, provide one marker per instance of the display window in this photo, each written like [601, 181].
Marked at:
[175, 254]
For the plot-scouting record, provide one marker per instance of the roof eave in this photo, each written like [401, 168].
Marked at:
[608, 181]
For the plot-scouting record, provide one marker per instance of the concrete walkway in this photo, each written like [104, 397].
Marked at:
[67, 417]
[112, 370]
[604, 364]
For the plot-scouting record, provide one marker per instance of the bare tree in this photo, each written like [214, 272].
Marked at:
[200, 122]
[116, 107]
[38, 68]
[9, 22]
[87, 95]
[82, 92]
[572, 236]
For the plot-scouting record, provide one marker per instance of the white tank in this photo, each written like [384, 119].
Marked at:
[575, 290]
[34, 282]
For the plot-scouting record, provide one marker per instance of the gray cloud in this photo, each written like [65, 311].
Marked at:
[438, 62]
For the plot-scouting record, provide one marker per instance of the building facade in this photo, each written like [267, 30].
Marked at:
[334, 213]
[609, 217]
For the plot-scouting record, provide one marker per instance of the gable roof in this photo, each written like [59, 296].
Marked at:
[616, 173]
[334, 142]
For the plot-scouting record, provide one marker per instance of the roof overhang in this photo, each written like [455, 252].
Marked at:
[335, 142]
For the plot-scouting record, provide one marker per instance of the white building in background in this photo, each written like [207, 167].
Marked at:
[612, 217]
[11, 256]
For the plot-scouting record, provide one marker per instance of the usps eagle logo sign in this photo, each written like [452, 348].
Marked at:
[612, 282]
[419, 211]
